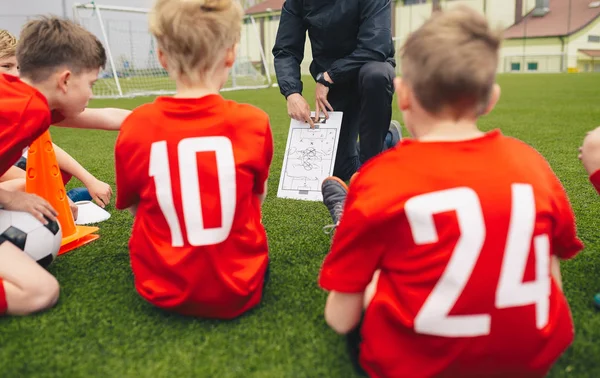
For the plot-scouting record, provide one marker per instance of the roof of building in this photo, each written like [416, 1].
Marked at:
[560, 21]
[591, 53]
[266, 6]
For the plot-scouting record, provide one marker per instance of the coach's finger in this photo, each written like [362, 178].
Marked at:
[323, 105]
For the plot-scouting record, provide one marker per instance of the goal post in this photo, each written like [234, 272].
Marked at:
[133, 68]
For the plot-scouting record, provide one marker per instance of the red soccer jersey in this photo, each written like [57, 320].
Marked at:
[595, 180]
[195, 167]
[3, 304]
[462, 233]
[24, 116]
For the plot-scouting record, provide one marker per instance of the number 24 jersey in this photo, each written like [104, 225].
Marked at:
[463, 234]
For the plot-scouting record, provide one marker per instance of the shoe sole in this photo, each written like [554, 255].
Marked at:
[336, 179]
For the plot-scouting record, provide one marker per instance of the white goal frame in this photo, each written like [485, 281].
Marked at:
[97, 8]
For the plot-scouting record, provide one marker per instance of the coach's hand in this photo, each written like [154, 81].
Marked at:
[323, 104]
[299, 109]
[32, 204]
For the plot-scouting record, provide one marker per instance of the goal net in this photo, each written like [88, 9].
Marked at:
[133, 69]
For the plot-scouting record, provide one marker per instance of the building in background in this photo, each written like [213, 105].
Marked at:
[540, 35]
[556, 36]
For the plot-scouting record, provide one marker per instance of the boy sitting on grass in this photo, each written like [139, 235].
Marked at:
[59, 62]
[193, 170]
[451, 260]
[104, 119]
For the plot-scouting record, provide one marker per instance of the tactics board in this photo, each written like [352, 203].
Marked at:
[309, 158]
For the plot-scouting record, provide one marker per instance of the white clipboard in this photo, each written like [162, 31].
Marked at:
[309, 157]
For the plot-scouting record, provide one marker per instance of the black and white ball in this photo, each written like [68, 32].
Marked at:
[41, 242]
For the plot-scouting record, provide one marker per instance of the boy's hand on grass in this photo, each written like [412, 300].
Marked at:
[31, 203]
[100, 191]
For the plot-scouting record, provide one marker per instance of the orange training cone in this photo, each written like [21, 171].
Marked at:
[44, 179]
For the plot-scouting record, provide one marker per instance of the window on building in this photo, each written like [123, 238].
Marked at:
[411, 2]
[594, 38]
[515, 66]
[532, 66]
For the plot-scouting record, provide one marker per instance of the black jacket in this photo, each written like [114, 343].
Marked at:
[344, 34]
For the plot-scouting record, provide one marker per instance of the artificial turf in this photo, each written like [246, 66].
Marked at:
[101, 327]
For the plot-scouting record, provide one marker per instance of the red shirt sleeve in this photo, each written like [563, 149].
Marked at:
[595, 180]
[127, 191]
[565, 242]
[57, 117]
[265, 164]
[358, 244]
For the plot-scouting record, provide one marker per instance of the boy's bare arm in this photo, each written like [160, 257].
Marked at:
[12, 174]
[99, 119]
[264, 194]
[343, 311]
[133, 209]
[555, 271]
[100, 191]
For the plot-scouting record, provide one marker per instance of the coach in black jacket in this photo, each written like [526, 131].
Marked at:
[353, 65]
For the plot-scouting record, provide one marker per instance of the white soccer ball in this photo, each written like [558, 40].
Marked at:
[41, 242]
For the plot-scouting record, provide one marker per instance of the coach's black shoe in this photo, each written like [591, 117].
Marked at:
[334, 195]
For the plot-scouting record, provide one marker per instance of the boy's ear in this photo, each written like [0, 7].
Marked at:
[63, 78]
[230, 56]
[162, 59]
[403, 93]
[494, 98]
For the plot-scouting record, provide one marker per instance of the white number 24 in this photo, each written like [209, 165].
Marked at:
[187, 149]
[433, 317]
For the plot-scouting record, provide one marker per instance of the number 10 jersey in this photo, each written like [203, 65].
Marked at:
[195, 168]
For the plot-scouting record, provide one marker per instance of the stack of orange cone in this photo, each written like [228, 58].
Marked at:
[44, 179]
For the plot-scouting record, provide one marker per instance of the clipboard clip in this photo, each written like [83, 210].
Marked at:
[321, 121]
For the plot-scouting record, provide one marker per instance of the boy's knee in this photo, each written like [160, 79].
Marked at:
[40, 296]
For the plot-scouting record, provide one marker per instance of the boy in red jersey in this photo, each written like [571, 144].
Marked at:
[193, 169]
[454, 260]
[59, 62]
[105, 119]
[589, 154]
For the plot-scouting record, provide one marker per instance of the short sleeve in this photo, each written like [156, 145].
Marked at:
[595, 180]
[358, 245]
[265, 162]
[57, 117]
[127, 192]
[565, 242]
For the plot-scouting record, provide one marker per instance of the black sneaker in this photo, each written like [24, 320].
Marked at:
[334, 195]
[394, 135]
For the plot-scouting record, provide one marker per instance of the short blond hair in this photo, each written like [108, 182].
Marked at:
[51, 42]
[451, 61]
[8, 44]
[195, 34]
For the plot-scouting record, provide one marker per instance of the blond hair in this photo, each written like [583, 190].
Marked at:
[451, 61]
[51, 42]
[195, 34]
[8, 44]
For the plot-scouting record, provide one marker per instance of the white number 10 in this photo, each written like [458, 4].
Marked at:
[197, 234]
[434, 318]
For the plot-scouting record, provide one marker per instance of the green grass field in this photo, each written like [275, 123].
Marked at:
[100, 327]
